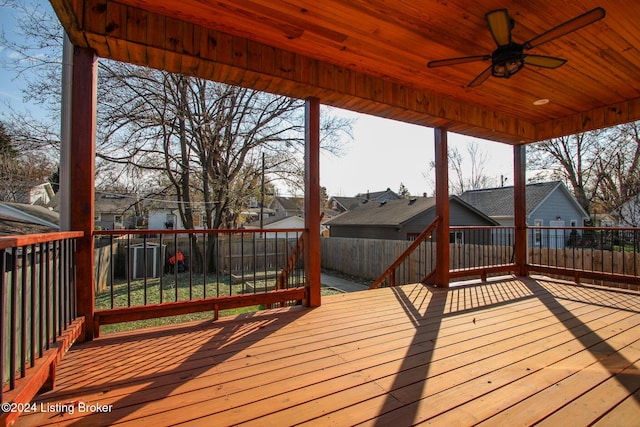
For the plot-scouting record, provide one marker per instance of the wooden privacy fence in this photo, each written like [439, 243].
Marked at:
[368, 258]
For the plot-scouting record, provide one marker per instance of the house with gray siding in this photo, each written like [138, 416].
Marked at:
[401, 219]
[548, 204]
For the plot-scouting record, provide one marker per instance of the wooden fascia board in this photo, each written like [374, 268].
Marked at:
[597, 118]
[165, 43]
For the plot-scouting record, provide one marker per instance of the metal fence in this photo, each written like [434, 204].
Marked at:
[148, 268]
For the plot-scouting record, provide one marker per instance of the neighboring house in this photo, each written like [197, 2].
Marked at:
[165, 215]
[629, 213]
[343, 204]
[287, 206]
[286, 222]
[273, 223]
[548, 204]
[402, 219]
[607, 220]
[41, 194]
[20, 218]
[116, 211]
[379, 196]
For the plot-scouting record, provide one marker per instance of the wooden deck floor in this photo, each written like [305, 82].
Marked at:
[512, 352]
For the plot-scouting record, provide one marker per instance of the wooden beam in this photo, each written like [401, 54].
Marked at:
[82, 173]
[520, 209]
[442, 208]
[312, 200]
[153, 311]
[223, 57]
[597, 118]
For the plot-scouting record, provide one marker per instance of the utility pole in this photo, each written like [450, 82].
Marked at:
[262, 195]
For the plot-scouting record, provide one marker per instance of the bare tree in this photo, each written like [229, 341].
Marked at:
[602, 167]
[570, 159]
[618, 188]
[467, 172]
[20, 168]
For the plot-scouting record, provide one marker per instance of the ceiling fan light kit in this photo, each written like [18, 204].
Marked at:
[509, 57]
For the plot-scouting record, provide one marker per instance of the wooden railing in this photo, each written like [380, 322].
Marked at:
[291, 271]
[38, 318]
[480, 251]
[390, 272]
[146, 274]
[605, 255]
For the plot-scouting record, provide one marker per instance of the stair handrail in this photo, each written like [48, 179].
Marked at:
[291, 263]
[391, 270]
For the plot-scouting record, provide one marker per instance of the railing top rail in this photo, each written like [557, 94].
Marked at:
[480, 227]
[567, 227]
[423, 236]
[31, 239]
[199, 231]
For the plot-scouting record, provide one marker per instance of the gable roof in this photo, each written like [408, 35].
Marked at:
[395, 212]
[347, 203]
[21, 218]
[10, 226]
[498, 202]
[379, 196]
[289, 203]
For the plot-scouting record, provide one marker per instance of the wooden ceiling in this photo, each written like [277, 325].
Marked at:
[371, 56]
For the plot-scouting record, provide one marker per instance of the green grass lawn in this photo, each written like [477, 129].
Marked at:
[151, 293]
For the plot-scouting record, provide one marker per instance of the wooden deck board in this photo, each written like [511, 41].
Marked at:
[509, 352]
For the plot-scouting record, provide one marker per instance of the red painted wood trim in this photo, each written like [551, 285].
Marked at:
[390, 271]
[312, 199]
[199, 231]
[481, 271]
[82, 176]
[520, 209]
[32, 239]
[581, 274]
[152, 311]
[442, 208]
[42, 374]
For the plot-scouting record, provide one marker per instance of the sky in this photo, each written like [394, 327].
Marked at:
[383, 153]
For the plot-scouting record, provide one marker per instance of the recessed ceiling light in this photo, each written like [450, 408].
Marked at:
[541, 101]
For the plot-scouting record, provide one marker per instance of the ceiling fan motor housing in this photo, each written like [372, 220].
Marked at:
[507, 60]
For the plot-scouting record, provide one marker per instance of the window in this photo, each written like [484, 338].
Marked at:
[574, 222]
[456, 237]
[538, 232]
[117, 218]
[198, 220]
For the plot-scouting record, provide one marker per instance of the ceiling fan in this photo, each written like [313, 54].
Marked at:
[509, 57]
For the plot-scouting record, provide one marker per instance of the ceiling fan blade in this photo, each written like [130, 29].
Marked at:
[456, 61]
[500, 26]
[566, 28]
[481, 78]
[544, 61]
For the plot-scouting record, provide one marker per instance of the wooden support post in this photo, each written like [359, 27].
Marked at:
[442, 208]
[82, 178]
[520, 209]
[312, 200]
